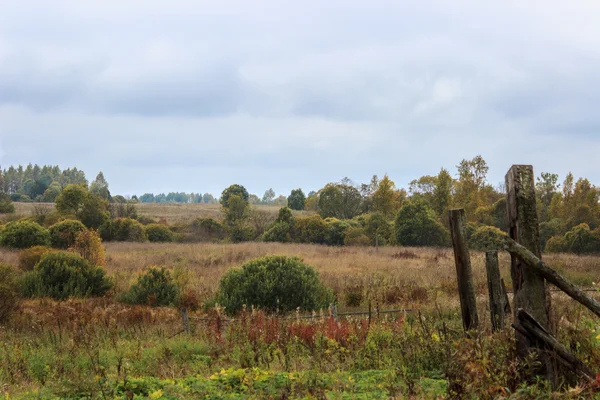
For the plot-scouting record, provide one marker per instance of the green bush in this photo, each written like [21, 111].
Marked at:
[581, 240]
[483, 238]
[356, 237]
[416, 225]
[378, 229]
[63, 233]
[61, 275]
[28, 258]
[6, 205]
[158, 233]
[155, 288]
[278, 232]
[336, 231]
[9, 292]
[208, 229]
[556, 244]
[273, 283]
[311, 229]
[123, 230]
[23, 234]
[240, 233]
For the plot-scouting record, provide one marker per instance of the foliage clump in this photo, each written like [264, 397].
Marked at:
[23, 234]
[417, 225]
[63, 233]
[89, 246]
[155, 287]
[123, 230]
[485, 238]
[28, 258]
[158, 233]
[273, 283]
[9, 291]
[61, 275]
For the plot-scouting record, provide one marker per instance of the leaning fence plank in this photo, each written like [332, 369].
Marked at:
[464, 273]
[539, 334]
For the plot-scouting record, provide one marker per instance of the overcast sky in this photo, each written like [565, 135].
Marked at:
[196, 95]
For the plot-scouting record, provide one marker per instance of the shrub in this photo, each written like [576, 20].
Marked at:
[556, 244]
[9, 292]
[279, 232]
[296, 199]
[63, 233]
[356, 237]
[336, 231]
[158, 233]
[285, 215]
[61, 275]
[6, 205]
[311, 229]
[240, 233]
[208, 229]
[89, 246]
[155, 287]
[416, 225]
[31, 256]
[378, 229]
[24, 234]
[273, 283]
[123, 230]
[581, 240]
[483, 238]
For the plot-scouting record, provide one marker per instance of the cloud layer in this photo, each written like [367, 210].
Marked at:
[194, 96]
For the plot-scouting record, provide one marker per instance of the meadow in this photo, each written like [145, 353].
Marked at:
[101, 348]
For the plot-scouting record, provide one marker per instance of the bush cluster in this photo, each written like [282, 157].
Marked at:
[158, 233]
[64, 233]
[273, 283]
[23, 234]
[61, 275]
[155, 287]
[123, 230]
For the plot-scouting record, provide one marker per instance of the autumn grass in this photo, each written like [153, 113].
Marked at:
[172, 213]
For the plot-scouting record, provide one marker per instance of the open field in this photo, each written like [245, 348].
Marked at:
[99, 348]
[171, 212]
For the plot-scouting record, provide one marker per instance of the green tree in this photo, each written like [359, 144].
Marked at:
[442, 193]
[6, 205]
[470, 185]
[386, 199]
[416, 225]
[268, 197]
[237, 190]
[99, 187]
[296, 199]
[339, 201]
[51, 193]
[71, 200]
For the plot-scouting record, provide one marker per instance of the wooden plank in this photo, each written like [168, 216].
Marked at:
[537, 333]
[495, 291]
[464, 273]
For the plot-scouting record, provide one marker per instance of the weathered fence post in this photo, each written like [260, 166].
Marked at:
[495, 290]
[185, 319]
[529, 287]
[464, 274]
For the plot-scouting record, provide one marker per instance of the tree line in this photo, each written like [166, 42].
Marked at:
[372, 213]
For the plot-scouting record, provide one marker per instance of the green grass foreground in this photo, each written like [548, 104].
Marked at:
[253, 383]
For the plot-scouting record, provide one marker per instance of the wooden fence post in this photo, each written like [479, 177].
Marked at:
[464, 274]
[529, 287]
[495, 290]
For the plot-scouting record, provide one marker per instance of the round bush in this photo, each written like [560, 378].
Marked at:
[9, 291]
[278, 232]
[158, 233]
[123, 230]
[273, 283]
[63, 233]
[28, 258]
[24, 234]
[311, 229]
[417, 225]
[61, 275]
[155, 288]
[356, 237]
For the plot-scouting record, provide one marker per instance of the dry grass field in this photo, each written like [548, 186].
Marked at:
[173, 213]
